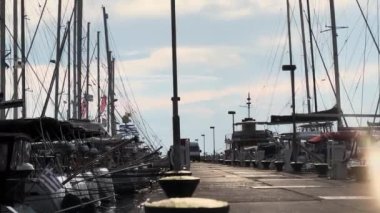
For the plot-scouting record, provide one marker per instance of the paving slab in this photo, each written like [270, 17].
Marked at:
[255, 190]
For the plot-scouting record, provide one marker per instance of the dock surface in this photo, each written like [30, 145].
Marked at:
[247, 189]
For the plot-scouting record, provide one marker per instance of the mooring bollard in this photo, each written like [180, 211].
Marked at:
[266, 163]
[297, 166]
[179, 186]
[322, 169]
[279, 165]
[186, 205]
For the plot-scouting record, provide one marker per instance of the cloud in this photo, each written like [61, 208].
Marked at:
[212, 57]
[220, 9]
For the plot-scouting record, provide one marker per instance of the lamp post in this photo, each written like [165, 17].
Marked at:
[213, 140]
[233, 131]
[175, 98]
[204, 146]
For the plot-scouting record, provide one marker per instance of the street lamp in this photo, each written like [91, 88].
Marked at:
[175, 98]
[204, 146]
[292, 68]
[233, 131]
[213, 139]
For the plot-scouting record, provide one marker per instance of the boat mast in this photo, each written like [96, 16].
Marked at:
[23, 60]
[55, 72]
[2, 57]
[312, 57]
[305, 57]
[88, 69]
[56, 105]
[112, 99]
[68, 71]
[79, 57]
[75, 113]
[336, 62]
[15, 56]
[109, 69]
[98, 74]
[294, 138]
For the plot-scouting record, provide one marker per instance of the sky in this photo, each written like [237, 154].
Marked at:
[226, 49]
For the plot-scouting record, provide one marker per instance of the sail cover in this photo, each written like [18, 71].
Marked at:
[321, 116]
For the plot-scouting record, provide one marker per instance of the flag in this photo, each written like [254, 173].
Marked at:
[83, 108]
[103, 104]
[49, 180]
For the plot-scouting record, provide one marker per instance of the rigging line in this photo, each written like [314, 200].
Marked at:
[138, 110]
[323, 62]
[364, 66]
[61, 94]
[65, 10]
[35, 32]
[276, 81]
[270, 65]
[42, 83]
[378, 59]
[138, 126]
[139, 114]
[273, 60]
[368, 27]
[349, 101]
[324, 65]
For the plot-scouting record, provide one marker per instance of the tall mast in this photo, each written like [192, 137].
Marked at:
[15, 56]
[56, 105]
[98, 72]
[75, 113]
[54, 73]
[88, 69]
[294, 143]
[2, 56]
[312, 57]
[79, 57]
[336, 62]
[109, 68]
[305, 58]
[68, 72]
[112, 104]
[23, 60]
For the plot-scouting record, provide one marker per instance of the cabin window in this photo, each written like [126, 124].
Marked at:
[3, 156]
[194, 148]
[21, 153]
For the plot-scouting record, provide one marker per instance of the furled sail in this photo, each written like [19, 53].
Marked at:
[320, 116]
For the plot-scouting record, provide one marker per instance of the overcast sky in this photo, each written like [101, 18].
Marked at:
[226, 49]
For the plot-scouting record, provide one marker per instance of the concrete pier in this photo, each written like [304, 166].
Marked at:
[253, 190]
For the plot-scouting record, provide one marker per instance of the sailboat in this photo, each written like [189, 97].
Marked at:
[64, 164]
[339, 148]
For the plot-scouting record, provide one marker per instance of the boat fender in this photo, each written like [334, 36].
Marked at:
[71, 200]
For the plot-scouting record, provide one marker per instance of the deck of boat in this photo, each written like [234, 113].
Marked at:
[255, 190]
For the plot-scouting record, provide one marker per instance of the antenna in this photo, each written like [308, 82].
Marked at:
[249, 104]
